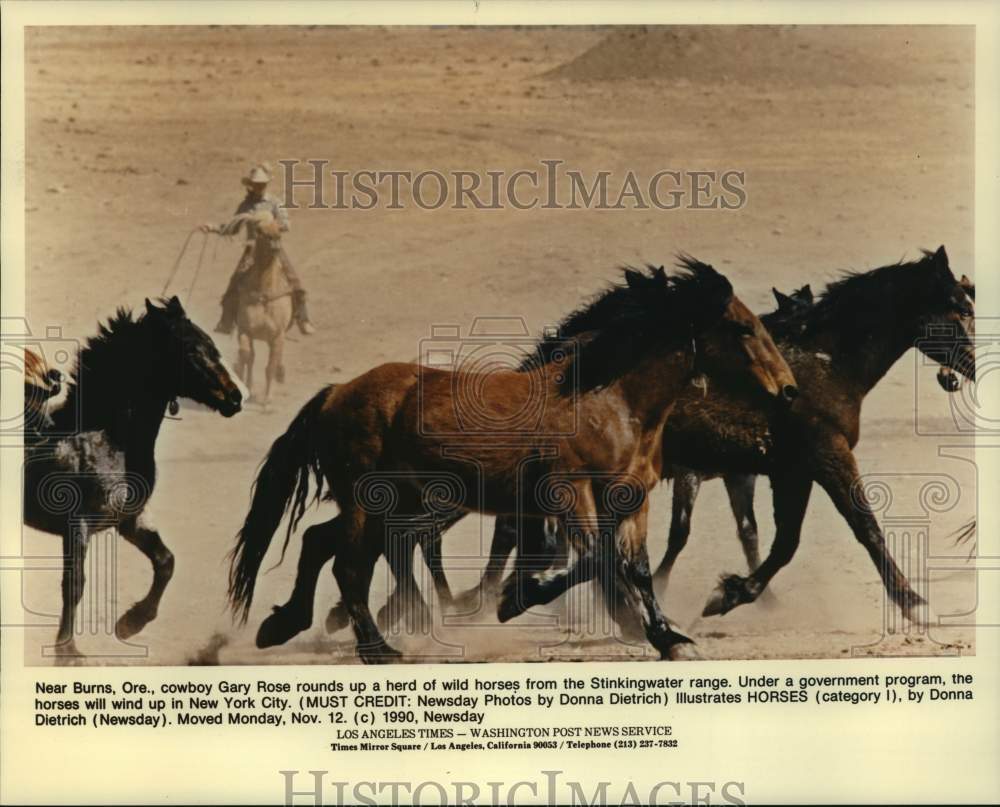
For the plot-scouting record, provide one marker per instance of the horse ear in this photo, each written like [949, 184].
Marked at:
[633, 278]
[784, 301]
[941, 257]
[150, 308]
[174, 305]
[806, 294]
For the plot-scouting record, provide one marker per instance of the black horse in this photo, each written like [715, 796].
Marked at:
[92, 467]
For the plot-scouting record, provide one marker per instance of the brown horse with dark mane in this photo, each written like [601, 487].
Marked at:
[397, 438]
[838, 349]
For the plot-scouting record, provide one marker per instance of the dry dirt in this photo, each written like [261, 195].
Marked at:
[857, 148]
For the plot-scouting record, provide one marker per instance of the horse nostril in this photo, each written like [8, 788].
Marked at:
[234, 396]
[789, 392]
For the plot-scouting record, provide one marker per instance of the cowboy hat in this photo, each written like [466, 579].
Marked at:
[259, 174]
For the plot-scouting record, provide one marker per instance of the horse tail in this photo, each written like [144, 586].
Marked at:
[281, 484]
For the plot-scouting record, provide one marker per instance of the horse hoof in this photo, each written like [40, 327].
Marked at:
[716, 605]
[509, 607]
[684, 651]
[337, 619]
[730, 592]
[379, 654]
[66, 654]
[130, 623]
[921, 615]
[277, 629]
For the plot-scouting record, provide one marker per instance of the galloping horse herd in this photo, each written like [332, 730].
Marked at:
[666, 375]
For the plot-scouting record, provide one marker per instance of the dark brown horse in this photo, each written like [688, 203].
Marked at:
[92, 466]
[740, 487]
[399, 438]
[839, 349]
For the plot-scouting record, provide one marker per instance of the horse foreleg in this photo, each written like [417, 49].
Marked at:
[629, 563]
[503, 544]
[151, 545]
[74, 543]
[791, 496]
[521, 590]
[319, 543]
[274, 369]
[839, 476]
[244, 361]
[740, 488]
[686, 486]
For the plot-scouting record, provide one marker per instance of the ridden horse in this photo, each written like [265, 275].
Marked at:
[395, 432]
[838, 349]
[264, 310]
[93, 468]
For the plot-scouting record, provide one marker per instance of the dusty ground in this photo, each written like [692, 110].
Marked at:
[857, 150]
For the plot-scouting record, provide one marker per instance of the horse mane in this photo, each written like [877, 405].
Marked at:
[102, 366]
[857, 302]
[650, 312]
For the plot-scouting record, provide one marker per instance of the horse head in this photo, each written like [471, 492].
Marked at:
[947, 319]
[189, 363]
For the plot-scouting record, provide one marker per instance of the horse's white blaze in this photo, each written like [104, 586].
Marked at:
[244, 390]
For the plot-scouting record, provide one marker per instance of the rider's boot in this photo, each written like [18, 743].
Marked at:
[228, 319]
[301, 314]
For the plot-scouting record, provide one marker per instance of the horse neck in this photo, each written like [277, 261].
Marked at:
[128, 409]
[654, 384]
[863, 352]
[266, 266]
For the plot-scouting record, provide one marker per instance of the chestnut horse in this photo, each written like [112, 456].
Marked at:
[402, 432]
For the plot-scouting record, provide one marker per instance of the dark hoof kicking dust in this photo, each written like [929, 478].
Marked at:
[379, 653]
[278, 628]
[337, 619]
[732, 591]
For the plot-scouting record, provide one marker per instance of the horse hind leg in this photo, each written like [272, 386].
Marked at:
[628, 563]
[319, 543]
[488, 590]
[686, 487]
[353, 569]
[144, 611]
[75, 542]
[740, 488]
[405, 601]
